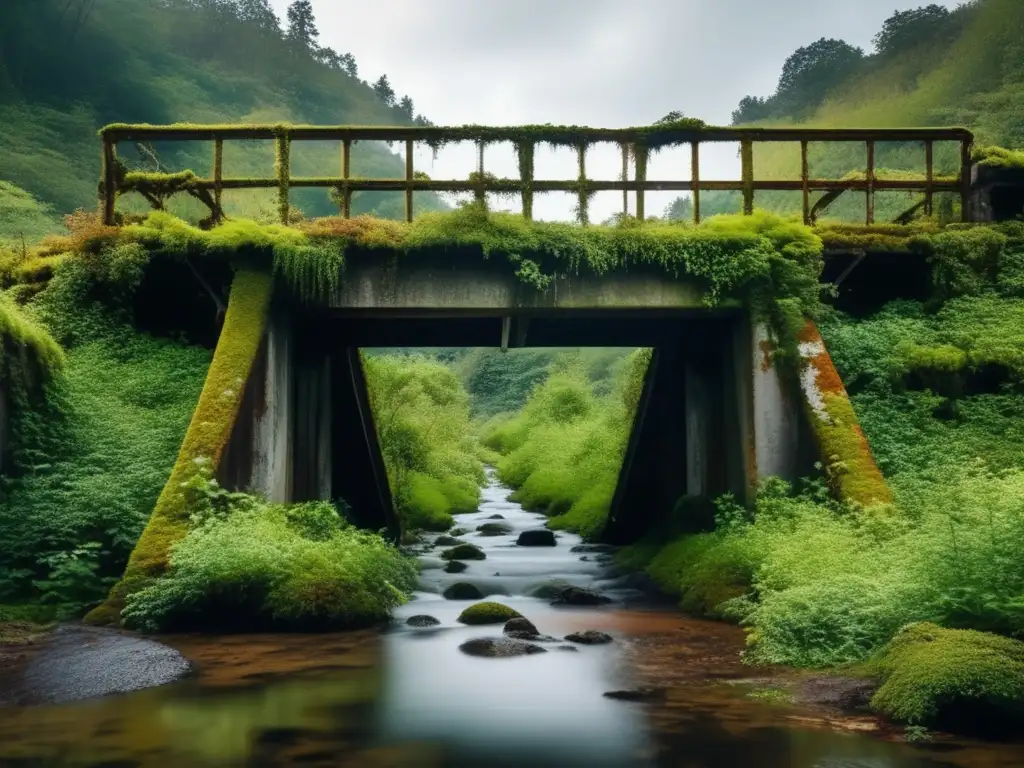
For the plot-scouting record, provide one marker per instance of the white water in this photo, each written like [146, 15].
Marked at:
[542, 709]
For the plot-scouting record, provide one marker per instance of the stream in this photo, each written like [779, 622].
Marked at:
[408, 696]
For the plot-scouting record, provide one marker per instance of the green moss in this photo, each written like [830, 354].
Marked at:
[998, 157]
[464, 552]
[207, 435]
[22, 336]
[951, 679]
[488, 613]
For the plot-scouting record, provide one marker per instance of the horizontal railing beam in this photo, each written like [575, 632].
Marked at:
[539, 134]
[512, 186]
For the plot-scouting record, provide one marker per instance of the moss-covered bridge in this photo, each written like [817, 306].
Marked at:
[740, 385]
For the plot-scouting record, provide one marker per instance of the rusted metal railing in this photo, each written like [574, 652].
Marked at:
[635, 142]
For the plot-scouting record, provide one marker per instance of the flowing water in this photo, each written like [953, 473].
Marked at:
[411, 697]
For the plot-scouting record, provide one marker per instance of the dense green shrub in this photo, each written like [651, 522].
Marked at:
[952, 679]
[563, 451]
[246, 564]
[90, 462]
[421, 411]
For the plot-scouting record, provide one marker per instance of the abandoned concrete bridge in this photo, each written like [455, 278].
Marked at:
[715, 415]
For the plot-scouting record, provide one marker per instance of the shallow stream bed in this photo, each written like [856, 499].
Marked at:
[410, 697]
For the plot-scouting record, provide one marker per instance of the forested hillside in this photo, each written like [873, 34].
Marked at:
[68, 67]
[929, 66]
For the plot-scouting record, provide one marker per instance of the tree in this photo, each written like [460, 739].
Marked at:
[329, 57]
[812, 71]
[905, 29]
[751, 109]
[384, 91]
[259, 14]
[302, 31]
[405, 105]
[348, 64]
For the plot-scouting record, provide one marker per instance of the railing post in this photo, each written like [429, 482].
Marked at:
[218, 178]
[109, 181]
[625, 178]
[747, 159]
[805, 175]
[966, 164]
[408, 179]
[283, 176]
[640, 155]
[524, 155]
[695, 179]
[583, 199]
[870, 200]
[929, 176]
[346, 173]
[481, 188]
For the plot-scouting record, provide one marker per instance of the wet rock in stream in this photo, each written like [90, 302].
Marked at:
[590, 637]
[447, 541]
[455, 566]
[496, 517]
[540, 537]
[520, 624]
[464, 552]
[458, 532]
[422, 621]
[499, 647]
[578, 596]
[463, 591]
[494, 529]
[76, 663]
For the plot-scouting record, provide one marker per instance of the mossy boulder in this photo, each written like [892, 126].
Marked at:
[447, 541]
[464, 552]
[422, 620]
[458, 532]
[454, 566]
[463, 591]
[494, 529]
[952, 679]
[488, 613]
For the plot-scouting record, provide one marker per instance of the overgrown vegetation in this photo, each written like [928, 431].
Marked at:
[88, 462]
[563, 450]
[246, 564]
[181, 60]
[421, 411]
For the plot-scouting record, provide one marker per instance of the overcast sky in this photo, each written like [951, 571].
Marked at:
[607, 63]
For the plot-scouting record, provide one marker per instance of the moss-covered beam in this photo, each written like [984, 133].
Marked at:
[660, 134]
[849, 464]
[206, 438]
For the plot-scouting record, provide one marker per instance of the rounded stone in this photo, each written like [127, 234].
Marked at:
[520, 624]
[540, 537]
[463, 591]
[422, 621]
[499, 647]
[464, 552]
[590, 637]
